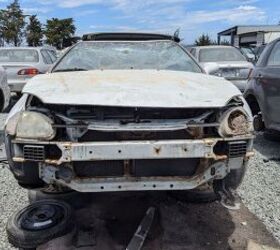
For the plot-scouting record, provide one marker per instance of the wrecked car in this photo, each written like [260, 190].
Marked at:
[133, 115]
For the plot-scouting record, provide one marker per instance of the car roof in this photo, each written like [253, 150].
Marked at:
[127, 36]
[27, 48]
[213, 46]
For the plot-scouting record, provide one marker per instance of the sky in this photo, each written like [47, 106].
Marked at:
[192, 17]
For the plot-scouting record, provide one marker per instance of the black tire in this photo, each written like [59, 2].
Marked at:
[73, 198]
[24, 237]
[232, 181]
[195, 196]
[235, 178]
[2, 101]
[272, 135]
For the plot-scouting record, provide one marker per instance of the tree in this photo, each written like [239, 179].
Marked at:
[58, 31]
[203, 40]
[34, 32]
[225, 42]
[12, 23]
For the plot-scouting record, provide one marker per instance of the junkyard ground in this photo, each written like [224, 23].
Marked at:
[111, 219]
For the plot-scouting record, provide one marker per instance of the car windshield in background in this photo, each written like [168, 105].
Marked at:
[160, 55]
[19, 55]
[220, 55]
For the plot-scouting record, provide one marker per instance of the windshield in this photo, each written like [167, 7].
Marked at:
[220, 55]
[248, 52]
[19, 55]
[160, 55]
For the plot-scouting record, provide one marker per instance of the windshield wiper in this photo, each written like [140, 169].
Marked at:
[70, 69]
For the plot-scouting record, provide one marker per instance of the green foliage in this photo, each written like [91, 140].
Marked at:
[204, 40]
[12, 24]
[225, 42]
[34, 32]
[58, 31]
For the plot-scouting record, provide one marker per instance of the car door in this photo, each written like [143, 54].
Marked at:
[268, 79]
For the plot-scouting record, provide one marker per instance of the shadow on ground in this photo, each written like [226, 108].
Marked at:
[113, 218]
[269, 149]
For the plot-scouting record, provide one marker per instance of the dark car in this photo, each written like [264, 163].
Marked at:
[263, 91]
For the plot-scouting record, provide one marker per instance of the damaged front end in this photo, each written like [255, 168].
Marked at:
[102, 148]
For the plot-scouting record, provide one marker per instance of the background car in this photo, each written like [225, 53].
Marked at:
[263, 92]
[229, 61]
[258, 50]
[249, 53]
[4, 90]
[22, 63]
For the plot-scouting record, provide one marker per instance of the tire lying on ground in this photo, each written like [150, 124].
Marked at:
[39, 223]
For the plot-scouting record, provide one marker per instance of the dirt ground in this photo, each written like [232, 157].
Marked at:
[110, 220]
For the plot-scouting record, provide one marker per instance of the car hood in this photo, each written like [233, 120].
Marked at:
[132, 88]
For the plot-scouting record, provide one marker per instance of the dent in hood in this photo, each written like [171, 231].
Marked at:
[132, 88]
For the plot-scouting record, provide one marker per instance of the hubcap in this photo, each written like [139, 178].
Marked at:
[41, 217]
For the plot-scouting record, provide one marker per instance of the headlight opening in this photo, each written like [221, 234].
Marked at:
[34, 125]
[233, 122]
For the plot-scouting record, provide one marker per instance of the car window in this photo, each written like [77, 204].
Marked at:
[192, 51]
[52, 55]
[223, 54]
[160, 55]
[274, 58]
[46, 57]
[19, 55]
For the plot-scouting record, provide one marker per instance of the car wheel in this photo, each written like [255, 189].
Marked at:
[235, 178]
[39, 223]
[258, 123]
[206, 193]
[272, 135]
[201, 195]
[2, 101]
[73, 198]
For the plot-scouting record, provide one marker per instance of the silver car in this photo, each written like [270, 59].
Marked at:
[224, 61]
[4, 90]
[22, 63]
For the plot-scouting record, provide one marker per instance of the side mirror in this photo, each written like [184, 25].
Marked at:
[211, 68]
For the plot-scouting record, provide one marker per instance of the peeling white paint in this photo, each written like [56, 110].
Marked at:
[132, 88]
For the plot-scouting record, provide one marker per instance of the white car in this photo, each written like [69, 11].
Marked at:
[5, 93]
[129, 115]
[226, 61]
[22, 63]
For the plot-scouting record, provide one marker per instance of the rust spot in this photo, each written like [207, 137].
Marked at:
[220, 157]
[52, 162]
[157, 150]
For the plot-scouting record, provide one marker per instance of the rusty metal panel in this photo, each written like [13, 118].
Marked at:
[126, 183]
[136, 150]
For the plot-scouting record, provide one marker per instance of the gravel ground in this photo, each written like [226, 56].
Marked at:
[12, 198]
[260, 190]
